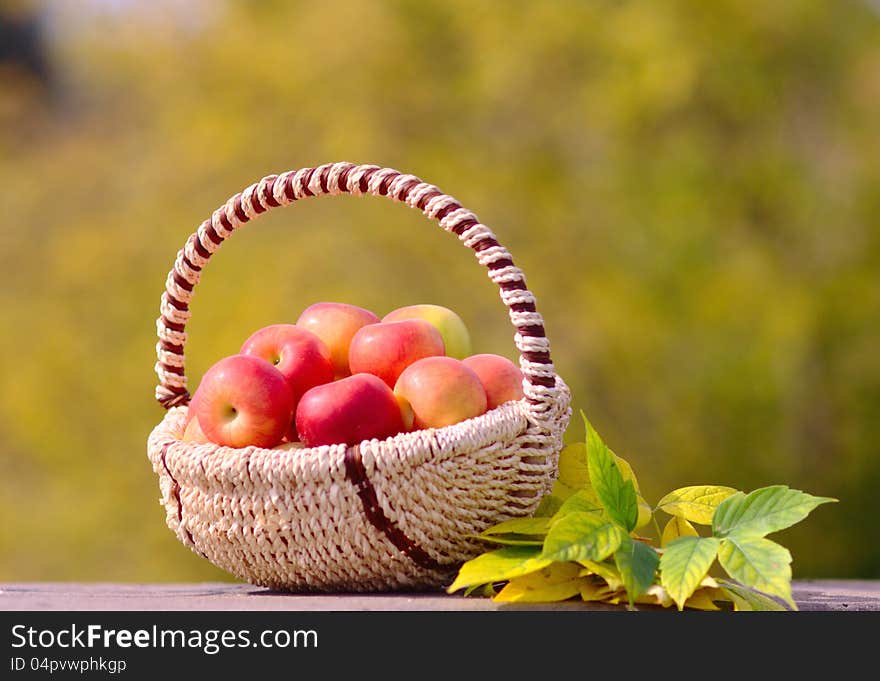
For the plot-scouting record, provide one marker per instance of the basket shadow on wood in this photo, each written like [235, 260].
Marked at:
[399, 513]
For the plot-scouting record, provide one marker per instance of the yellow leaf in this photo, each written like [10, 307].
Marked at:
[626, 471]
[656, 595]
[556, 582]
[573, 472]
[701, 599]
[645, 513]
[675, 528]
[696, 503]
[594, 591]
[498, 566]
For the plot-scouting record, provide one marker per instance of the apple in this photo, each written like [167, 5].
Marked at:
[350, 410]
[336, 324]
[193, 431]
[441, 391]
[501, 378]
[406, 412]
[387, 348]
[301, 357]
[456, 337]
[288, 446]
[243, 400]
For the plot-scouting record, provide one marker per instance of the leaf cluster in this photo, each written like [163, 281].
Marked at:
[584, 542]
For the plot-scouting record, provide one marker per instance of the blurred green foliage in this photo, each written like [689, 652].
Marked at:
[692, 189]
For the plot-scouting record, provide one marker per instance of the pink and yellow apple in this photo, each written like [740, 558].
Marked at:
[500, 377]
[243, 400]
[301, 357]
[387, 348]
[441, 391]
[193, 432]
[350, 410]
[456, 338]
[335, 324]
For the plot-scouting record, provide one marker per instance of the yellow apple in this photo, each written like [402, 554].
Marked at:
[452, 328]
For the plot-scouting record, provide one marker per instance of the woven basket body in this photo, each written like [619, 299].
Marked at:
[400, 513]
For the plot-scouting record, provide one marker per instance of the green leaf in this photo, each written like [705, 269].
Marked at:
[766, 510]
[684, 563]
[582, 501]
[675, 528]
[485, 590]
[748, 599]
[637, 563]
[758, 563]
[581, 536]
[696, 504]
[618, 496]
[606, 571]
[499, 565]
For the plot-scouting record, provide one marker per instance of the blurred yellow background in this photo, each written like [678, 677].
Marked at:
[692, 188]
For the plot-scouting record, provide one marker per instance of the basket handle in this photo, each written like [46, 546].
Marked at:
[541, 387]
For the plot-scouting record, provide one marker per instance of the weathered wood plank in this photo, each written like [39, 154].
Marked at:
[838, 595]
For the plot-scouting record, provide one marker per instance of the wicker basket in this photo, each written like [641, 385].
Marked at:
[382, 515]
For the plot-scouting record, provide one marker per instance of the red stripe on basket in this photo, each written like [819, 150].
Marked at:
[288, 187]
[238, 209]
[197, 244]
[364, 184]
[322, 178]
[304, 182]
[171, 369]
[357, 474]
[175, 491]
[174, 326]
[343, 179]
[179, 396]
[531, 330]
[427, 197]
[224, 221]
[189, 263]
[182, 282]
[171, 347]
[460, 227]
[268, 197]
[175, 303]
[212, 233]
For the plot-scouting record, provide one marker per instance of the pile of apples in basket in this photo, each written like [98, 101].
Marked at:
[341, 375]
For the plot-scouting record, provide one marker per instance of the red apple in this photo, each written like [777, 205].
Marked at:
[350, 410]
[501, 378]
[191, 409]
[387, 348]
[243, 400]
[456, 337]
[301, 357]
[441, 391]
[336, 324]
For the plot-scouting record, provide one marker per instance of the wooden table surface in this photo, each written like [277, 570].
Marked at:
[834, 595]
